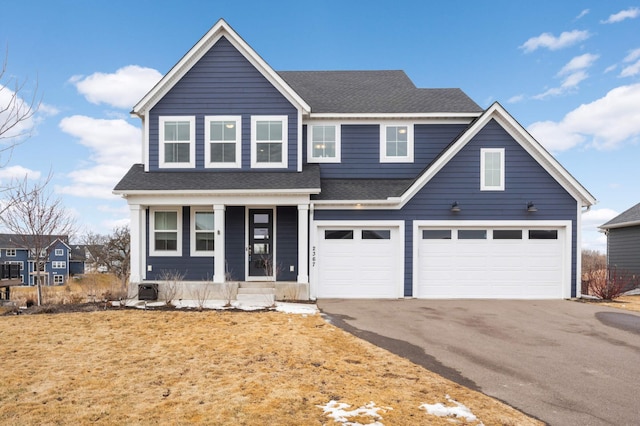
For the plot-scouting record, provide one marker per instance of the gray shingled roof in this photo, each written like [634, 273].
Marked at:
[18, 241]
[631, 216]
[373, 92]
[362, 189]
[137, 179]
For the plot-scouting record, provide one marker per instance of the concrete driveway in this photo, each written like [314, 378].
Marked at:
[563, 362]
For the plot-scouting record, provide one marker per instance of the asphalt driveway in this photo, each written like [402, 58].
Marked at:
[563, 362]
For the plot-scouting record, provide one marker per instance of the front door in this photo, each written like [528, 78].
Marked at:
[261, 243]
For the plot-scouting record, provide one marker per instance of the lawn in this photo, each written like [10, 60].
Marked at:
[630, 303]
[217, 367]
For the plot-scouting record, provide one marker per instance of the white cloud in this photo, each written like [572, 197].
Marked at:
[551, 42]
[573, 73]
[632, 55]
[597, 217]
[592, 238]
[605, 123]
[610, 68]
[122, 89]
[579, 63]
[633, 69]
[582, 14]
[114, 146]
[515, 99]
[18, 172]
[631, 13]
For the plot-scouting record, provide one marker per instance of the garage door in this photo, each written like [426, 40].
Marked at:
[359, 262]
[485, 262]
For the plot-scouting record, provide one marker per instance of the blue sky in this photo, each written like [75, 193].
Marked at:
[567, 71]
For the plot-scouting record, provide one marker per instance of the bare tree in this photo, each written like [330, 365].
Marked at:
[37, 219]
[118, 252]
[96, 251]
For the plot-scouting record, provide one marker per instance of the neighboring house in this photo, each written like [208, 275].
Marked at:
[54, 269]
[623, 242]
[78, 259]
[348, 184]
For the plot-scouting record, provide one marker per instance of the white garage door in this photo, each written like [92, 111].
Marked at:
[359, 262]
[485, 262]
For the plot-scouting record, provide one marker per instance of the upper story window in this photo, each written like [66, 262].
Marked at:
[269, 141]
[177, 142]
[223, 146]
[492, 169]
[58, 264]
[323, 143]
[11, 252]
[396, 143]
[59, 252]
[166, 232]
[202, 233]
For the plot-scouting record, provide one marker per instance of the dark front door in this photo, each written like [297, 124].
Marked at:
[261, 248]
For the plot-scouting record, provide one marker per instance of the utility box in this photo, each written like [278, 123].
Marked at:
[147, 291]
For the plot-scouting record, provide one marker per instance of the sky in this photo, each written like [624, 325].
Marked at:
[569, 72]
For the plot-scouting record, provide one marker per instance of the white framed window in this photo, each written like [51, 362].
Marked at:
[323, 143]
[58, 265]
[492, 169]
[59, 252]
[202, 232]
[223, 141]
[396, 143]
[16, 262]
[166, 232]
[58, 279]
[10, 252]
[269, 141]
[177, 142]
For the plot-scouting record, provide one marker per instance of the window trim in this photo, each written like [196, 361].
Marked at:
[207, 142]
[58, 264]
[152, 231]
[11, 252]
[284, 119]
[335, 159]
[384, 158]
[58, 252]
[192, 141]
[55, 276]
[483, 184]
[194, 252]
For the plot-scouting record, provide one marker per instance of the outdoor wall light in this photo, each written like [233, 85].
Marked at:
[455, 208]
[531, 207]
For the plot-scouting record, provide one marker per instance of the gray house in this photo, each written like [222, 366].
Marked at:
[348, 184]
[623, 242]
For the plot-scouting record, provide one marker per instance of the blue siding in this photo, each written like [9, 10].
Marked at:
[21, 256]
[459, 180]
[223, 82]
[235, 242]
[360, 151]
[623, 251]
[287, 243]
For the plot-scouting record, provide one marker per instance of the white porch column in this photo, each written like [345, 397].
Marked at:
[137, 229]
[303, 243]
[219, 267]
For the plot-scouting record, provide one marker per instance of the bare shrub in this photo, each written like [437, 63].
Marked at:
[593, 260]
[202, 293]
[291, 292]
[227, 290]
[608, 284]
[172, 281]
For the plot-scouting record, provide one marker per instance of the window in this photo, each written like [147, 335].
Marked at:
[472, 234]
[323, 143]
[17, 263]
[507, 234]
[58, 265]
[59, 252]
[223, 141]
[202, 233]
[396, 143]
[58, 279]
[369, 234]
[543, 234]
[269, 141]
[10, 252]
[436, 234]
[177, 142]
[492, 169]
[338, 235]
[166, 233]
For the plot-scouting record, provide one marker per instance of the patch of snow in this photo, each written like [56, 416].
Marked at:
[285, 307]
[457, 410]
[339, 413]
[296, 308]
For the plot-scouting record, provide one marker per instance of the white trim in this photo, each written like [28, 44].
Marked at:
[299, 145]
[254, 141]
[162, 163]
[303, 244]
[273, 244]
[397, 115]
[145, 140]
[341, 224]
[137, 215]
[192, 231]
[219, 258]
[483, 183]
[579, 251]
[55, 252]
[384, 157]
[165, 253]
[338, 136]
[620, 225]
[564, 225]
[221, 28]
[10, 250]
[61, 279]
[237, 119]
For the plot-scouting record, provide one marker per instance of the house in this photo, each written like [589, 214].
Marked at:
[19, 250]
[623, 243]
[346, 184]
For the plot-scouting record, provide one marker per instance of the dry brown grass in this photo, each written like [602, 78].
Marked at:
[630, 303]
[143, 367]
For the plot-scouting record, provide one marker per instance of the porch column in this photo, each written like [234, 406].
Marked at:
[137, 229]
[303, 243]
[219, 267]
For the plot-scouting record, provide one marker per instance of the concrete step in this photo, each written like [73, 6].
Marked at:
[257, 290]
[257, 284]
[257, 299]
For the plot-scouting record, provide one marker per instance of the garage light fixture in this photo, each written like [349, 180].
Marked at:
[531, 207]
[455, 208]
